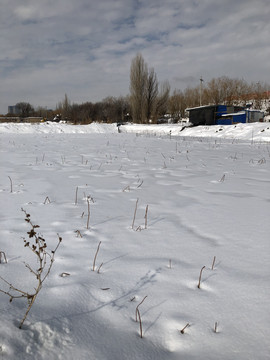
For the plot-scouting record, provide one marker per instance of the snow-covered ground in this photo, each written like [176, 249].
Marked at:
[207, 194]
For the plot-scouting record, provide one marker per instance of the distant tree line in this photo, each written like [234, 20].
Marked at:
[150, 100]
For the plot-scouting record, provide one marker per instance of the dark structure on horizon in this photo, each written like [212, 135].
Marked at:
[211, 114]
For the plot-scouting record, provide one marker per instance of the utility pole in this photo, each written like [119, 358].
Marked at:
[201, 81]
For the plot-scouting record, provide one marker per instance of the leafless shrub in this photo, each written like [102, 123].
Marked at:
[38, 246]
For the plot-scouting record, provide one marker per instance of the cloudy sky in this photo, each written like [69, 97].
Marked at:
[84, 48]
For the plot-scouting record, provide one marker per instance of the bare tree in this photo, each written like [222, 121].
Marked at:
[162, 99]
[224, 90]
[25, 109]
[177, 104]
[258, 94]
[64, 107]
[151, 94]
[138, 82]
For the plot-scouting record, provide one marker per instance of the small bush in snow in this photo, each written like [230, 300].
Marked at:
[37, 244]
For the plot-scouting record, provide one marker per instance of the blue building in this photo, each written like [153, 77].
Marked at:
[244, 116]
[223, 115]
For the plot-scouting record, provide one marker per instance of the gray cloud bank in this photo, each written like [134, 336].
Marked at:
[84, 47]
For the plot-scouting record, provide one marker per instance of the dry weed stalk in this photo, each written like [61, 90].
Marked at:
[215, 327]
[94, 262]
[138, 307]
[213, 263]
[145, 217]
[39, 248]
[127, 188]
[76, 196]
[11, 186]
[78, 233]
[88, 212]
[47, 200]
[99, 268]
[200, 277]
[138, 316]
[222, 179]
[2, 254]
[184, 328]
[140, 322]
[134, 216]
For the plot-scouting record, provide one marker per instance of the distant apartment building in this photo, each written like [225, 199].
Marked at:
[12, 109]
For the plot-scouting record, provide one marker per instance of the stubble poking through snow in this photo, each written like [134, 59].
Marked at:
[206, 197]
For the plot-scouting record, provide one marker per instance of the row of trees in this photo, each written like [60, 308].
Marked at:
[222, 90]
[149, 100]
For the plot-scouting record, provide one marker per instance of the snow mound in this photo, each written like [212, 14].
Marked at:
[56, 128]
[259, 132]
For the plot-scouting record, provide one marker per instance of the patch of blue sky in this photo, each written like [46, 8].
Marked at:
[185, 26]
[31, 22]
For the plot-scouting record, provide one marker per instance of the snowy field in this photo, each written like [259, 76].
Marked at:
[163, 205]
